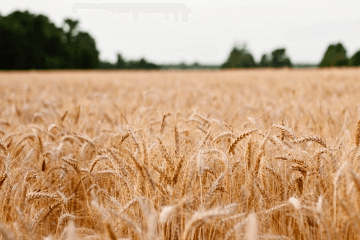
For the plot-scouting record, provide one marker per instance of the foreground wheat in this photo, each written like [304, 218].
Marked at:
[180, 155]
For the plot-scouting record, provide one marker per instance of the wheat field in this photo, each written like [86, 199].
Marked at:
[250, 154]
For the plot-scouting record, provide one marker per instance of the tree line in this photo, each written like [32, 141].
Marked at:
[30, 41]
[240, 57]
[121, 63]
[335, 56]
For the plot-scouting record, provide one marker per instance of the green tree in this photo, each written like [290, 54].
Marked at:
[183, 65]
[143, 64]
[279, 58]
[265, 61]
[86, 54]
[120, 63]
[106, 65]
[239, 57]
[355, 59]
[29, 41]
[335, 56]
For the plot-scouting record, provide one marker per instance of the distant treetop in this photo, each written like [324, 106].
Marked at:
[279, 59]
[355, 60]
[335, 56]
[239, 57]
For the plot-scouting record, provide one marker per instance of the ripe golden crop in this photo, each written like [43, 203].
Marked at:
[250, 154]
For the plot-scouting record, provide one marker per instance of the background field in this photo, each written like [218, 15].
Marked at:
[250, 154]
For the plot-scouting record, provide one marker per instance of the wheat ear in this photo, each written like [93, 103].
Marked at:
[357, 135]
[238, 139]
[316, 139]
[162, 127]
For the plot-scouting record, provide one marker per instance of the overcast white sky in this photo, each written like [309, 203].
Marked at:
[206, 30]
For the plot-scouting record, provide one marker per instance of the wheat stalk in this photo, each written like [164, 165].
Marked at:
[357, 135]
[200, 217]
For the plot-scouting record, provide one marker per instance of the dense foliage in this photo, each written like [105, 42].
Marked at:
[355, 60]
[335, 55]
[277, 59]
[240, 57]
[29, 41]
